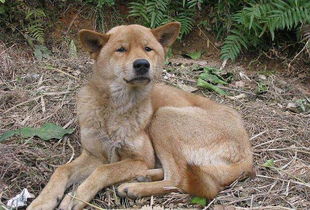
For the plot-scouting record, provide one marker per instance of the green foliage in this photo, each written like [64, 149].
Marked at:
[153, 13]
[101, 3]
[194, 55]
[47, 132]
[303, 105]
[35, 28]
[199, 200]
[28, 20]
[41, 51]
[211, 77]
[269, 163]
[262, 19]
[261, 88]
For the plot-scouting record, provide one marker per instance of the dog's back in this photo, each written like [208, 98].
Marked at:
[205, 143]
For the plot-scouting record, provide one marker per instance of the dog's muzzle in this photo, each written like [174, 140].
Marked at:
[138, 81]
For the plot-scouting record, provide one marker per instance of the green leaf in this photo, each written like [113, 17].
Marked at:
[269, 163]
[47, 132]
[51, 131]
[27, 132]
[2, 1]
[195, 55]
[199, 200]
[261, 88]
[211, 70]
[212, 78]
[38, 54]
[8, 134]
[204, 84]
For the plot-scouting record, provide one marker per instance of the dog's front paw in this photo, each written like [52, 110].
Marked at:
[130, 190]
[70, 203]
[43, 204]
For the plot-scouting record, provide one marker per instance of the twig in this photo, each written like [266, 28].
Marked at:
[25, 102]
[271, 187]
[208, 206]
[266, 142]
[282, 149]
[7, 49]
[43, 104]
[295, 182]
[257, 135]
[236, 90]
[69, 123]
[73, 153]
[207, 38]
[56, 93]
[89, 204]
[58, 70]
[71, 23]
[308, 42]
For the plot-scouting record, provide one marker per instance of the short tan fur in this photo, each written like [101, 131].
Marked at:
[126, 118]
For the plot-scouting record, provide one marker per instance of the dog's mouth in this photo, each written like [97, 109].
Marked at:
[138, 81]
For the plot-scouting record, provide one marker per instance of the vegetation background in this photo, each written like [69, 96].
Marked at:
[239, 26]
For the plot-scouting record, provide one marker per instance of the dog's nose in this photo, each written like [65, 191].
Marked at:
[141, 66]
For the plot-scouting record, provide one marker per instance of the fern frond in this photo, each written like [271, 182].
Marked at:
[261, 17]
[35, 14]
[36, 31]
[152, 12]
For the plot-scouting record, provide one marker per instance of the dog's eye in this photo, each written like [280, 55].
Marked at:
[121, 49]
[148, 49]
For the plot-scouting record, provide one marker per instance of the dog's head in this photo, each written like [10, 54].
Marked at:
[130, 55]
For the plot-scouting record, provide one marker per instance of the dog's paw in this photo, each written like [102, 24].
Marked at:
[67, 203]
[70, 203]
[43, 204]
[129, 190]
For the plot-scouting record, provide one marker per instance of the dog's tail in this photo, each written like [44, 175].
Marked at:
[208, 181]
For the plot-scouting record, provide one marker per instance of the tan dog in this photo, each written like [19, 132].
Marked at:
[123, 115]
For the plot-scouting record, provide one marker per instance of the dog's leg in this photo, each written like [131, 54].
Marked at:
[137, 190]
[103, 176]
[169, 184]
[156, 174]
[63, 177]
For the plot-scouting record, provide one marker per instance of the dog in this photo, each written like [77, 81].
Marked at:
[126, 117]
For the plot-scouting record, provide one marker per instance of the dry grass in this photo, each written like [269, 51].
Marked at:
[32, 93]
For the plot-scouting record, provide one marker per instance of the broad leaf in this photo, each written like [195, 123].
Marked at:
[212, 78]
[8, 134]
[204, 84]
[51, 131]
[47, 132]
[27, 132]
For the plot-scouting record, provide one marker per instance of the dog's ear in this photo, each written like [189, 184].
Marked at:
[93, 41]
[167, 34]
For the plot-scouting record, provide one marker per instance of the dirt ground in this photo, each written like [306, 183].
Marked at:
[35, 92]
